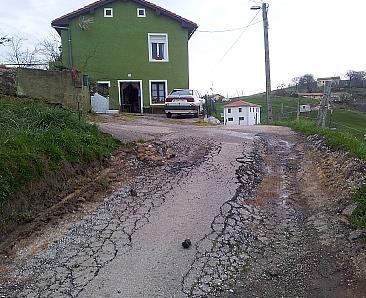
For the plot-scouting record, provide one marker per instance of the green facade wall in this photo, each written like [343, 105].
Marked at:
[112, 48]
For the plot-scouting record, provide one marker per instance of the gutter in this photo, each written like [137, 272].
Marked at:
[69, 40]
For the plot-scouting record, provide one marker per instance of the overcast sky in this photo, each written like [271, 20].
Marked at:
[324, 38]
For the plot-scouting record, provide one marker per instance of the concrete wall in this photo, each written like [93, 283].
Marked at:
[56, 87]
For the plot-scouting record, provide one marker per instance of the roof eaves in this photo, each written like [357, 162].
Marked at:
[65, 19]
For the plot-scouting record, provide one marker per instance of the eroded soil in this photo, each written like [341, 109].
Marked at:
[266, 210]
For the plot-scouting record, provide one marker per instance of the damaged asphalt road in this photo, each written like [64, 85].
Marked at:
[264, 214]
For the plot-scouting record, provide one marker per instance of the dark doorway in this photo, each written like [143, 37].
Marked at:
[130, 97]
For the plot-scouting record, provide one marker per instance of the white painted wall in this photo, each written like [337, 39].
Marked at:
[250, 114]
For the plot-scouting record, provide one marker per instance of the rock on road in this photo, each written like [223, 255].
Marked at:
[263, 219]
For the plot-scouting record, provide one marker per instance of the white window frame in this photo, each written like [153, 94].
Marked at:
[141, 90]
[105, 82]
[138, 12]
[229, 110]
[230, 119]
[105, 12]
[150, 91]
[166, 58]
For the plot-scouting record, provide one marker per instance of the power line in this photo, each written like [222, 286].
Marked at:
[237, 40]
[227, 30]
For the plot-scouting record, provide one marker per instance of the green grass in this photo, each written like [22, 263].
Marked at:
[287, 105]
[200, 123]
[358, 216]
[285, 108]
[336, 139]
[340, 140]
[353, 122]
[36, 139]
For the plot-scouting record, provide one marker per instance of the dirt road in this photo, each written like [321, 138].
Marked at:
[264, 208]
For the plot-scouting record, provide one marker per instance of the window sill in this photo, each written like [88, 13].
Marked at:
[159, 61]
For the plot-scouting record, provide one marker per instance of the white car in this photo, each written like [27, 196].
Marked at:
[184, 102]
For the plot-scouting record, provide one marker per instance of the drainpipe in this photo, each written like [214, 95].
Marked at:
[71, 64]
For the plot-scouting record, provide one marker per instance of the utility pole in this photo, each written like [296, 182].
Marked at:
[267, 62]
[323, 110]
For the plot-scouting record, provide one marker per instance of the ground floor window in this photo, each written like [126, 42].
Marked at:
[230, 119]
[241, 118]
[158, 92]
[103, 88]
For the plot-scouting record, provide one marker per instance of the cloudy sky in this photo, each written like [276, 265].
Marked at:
[324, 38]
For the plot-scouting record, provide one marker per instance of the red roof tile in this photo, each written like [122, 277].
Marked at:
[65, 19]
[240, 103]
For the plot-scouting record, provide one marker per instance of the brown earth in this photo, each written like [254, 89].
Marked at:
[267, 211]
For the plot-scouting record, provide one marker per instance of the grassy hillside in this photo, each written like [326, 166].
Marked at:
[343, 120]
[36, 139]
[287, 105]
[350, 121]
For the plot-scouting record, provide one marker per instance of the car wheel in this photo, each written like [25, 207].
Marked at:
[169, 115]
[196, 115]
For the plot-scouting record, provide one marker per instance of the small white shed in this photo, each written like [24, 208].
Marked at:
[242, 113]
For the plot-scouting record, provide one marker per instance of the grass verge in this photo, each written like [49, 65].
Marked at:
[336, 139]
[199, 123]
[37, 139]
[344, 141]
[358, 216]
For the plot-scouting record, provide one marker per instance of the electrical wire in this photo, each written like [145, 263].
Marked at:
[251, 23]
[226, 30]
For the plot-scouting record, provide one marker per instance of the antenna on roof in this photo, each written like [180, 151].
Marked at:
[84, 22]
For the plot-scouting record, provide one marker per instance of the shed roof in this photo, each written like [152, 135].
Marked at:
[240, 103]
[65, 19]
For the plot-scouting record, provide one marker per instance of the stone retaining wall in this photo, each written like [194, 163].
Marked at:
[56, 87]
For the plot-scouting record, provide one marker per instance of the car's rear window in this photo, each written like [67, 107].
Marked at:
[182, 92]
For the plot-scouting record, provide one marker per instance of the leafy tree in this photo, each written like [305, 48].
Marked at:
[307, 82]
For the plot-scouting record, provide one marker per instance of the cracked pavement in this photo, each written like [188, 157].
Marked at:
[251, 201]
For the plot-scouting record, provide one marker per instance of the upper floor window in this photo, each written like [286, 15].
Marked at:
[141, 12]
[158, 47]
[240, 110]
[108, 12]
[229, 111]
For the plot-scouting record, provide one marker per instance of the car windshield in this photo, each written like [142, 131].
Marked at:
[182, 92]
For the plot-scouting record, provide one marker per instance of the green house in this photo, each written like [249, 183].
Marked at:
[136, 52]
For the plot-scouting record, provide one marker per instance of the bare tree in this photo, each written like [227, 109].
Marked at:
[20, 55]
[281, 85]
[356, 78]
[4, 40]
[50, 50]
